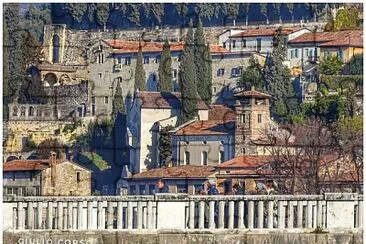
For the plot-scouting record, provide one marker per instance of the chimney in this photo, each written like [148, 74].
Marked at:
[53, 168]
[253, 88]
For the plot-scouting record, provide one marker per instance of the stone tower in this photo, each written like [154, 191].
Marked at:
[54, 43]
[252, 111]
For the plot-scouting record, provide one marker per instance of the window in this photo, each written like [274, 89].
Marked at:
[132, 190]
[100, 47]
[15, 111]
[78, 178]
[259, 118]
[128, 61]
[157, 59]
[56, 49]
[340, 54]
[244, 43]
[234, 43]
[119, 60]
[235, 72]
[100, 58]
[142, 190]
[22, 111]
[296, 55]
[204, 158]
[146, 59]
[182, 188]
[106, 100]
[259, 44]
[306, 52]
[93, 100]
[214, 89]
[154, 77]
[174, 73]
[242, 118]
[39, 112]
[224, 44]
[100, 75]
[222, 157]
[220, 72]
[31, 176]
[13, 176]
[151, 189]
[93, 109]
[198, 188]
[243, 150]
[31, 111]
[187, 159]
[119, 79]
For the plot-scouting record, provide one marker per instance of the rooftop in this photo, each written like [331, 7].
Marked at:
[252, 93]
[165, 100]
[27, 165]
[221, 112]
[121, 46]
[264, 32]
[245, 162]
[207, 127]
[184, 171]
[339, 38]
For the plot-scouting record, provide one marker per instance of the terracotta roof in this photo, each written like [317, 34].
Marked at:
[165, 100]
[121, 46]
[252, 93]
[221, 112]
[207, 127]
[184, 171]
[352, 40]
[264, 32]
[27, 165]
[252, 172]
[323, 37]
[246, 162]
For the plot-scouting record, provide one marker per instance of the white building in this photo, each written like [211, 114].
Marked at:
[258, 40]
[149, 111]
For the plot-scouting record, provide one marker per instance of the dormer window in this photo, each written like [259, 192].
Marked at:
[100, 47]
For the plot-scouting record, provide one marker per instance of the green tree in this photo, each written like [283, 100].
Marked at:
[75, 10]
[331, 66]
[50, 145]
[230, 10]
[14, 63]
[346, 19]
[278, 79]
[102, 14]
[277, 9]
[187, 74]
[35, 18]
[291, 9]
[118, 105]
[165, 69]
[165, 146]
[140, 77]
[252, 75]
[356, 65]
[134, 13]
[207, 10]
[202, 59]
[246, 7]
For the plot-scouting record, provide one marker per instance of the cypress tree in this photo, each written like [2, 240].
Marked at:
[140, 77]
[187, 76]
[278, 79]
[165, 69]
[202, 60]
[117, 104]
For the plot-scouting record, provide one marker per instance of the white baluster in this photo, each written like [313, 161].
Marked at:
[50, 215]
[270, 214]
[260, 214]
[90, 215]
[150, 214]
[309, 212]
[129, 215]
[110, 215]
[250, 214]
[30, 215]
[100, 215]
[119, 215]
[60, 214]
[281, 215]
[69, 215]
[191, 214]
[201, 216]
[221, 214]
[80, 217]
[211, 220]
[290, 221]
[39, 215]
[231, 215]
[241, 215]
[139, 215]
[299, 214]
[360, 214]
[20, 216]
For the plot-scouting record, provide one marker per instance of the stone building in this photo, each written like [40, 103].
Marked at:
[46, 178]
[149, 111]
[253, 120]
[181, 179]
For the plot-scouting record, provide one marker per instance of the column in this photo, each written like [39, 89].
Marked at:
[129, 215]
[299, 214]
[90, 215]
[250, 214]
[211, 220]
[191, 214]
[231, 215]
[30, 215]
[81, 224]
[241, 215]
[201, 216]
[221, 214]
[60, 215]
[20, 216]
[49, 215]
[260, 214]
[290, 220]
[110, 214]
[139, 214]
[39, 215]
[119, 215]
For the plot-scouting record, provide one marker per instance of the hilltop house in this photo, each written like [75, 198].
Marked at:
[46, 178]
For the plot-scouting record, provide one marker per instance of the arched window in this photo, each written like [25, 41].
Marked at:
[15, 111]
[56, 49]
[22, 111]
[187, 158]
[119, 79]
[31, 111]
[39, 112]
[100, 58]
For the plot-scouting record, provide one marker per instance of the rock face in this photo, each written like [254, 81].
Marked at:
[179, 237]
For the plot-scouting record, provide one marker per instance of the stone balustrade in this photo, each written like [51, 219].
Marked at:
[181, 211]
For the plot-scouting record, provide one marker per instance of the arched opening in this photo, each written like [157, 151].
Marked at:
[31, 111]
[22, 111]
[15, 111]
[81, 110]
[51, 79]
[65, 79]
[39, 112]
[56, 49]
[11, 158]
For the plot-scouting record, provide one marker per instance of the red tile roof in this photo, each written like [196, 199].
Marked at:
[184, 171]
[252, 93]
[264, 32]
[165, 100]
[221, 112]
[122, 46]
[245, 162]
[342, 37]
[207, 127]
[27, 165]
[352, 40]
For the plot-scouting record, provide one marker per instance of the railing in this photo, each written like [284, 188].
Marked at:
[180, 211]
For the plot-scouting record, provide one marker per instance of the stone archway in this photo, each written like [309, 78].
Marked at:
[56, 49]
[65, 80]
[50, 79]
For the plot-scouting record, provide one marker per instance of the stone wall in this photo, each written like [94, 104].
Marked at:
[71, 180]
[180, 237]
